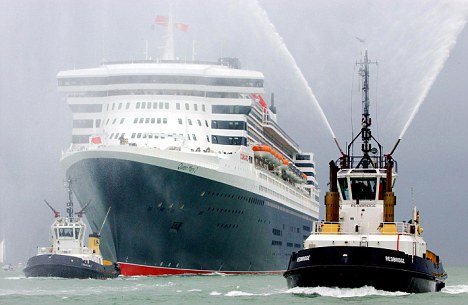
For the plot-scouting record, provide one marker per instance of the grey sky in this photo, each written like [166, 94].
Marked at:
[413, 42]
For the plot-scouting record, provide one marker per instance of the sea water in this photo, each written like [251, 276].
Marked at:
[15, 288]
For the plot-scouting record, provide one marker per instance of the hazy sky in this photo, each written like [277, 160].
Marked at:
[420, 47]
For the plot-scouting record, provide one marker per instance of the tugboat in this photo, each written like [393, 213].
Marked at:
[68, 257]
[359, 243]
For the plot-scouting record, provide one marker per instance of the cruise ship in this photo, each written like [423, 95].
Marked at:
[190, 160]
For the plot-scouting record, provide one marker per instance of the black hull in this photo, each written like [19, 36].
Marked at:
[171, 218]
[56, 265]
[354, 267]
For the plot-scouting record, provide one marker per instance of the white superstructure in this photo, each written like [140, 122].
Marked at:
[208, 115]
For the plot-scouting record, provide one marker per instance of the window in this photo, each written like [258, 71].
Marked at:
[147, 120]
[113, 106]
[164, 120]
[133, 135]
[120, 106]
[226, 140]
[83, 124]
[148, 105]
[122, 120]
[195, 107]
[138, 105]
[363, 188]
[98, 123]
[237, 125]
[87, 108]
[113, 121]
[138, 135]
[304, 165]
[203, 107]
[180, 121]
[143, 105]
[178, 106]
[141, 120]
[155, 105]
[189, 121]
[153, 120]
[166, 105]
[194, 137]
[66, 232]
[199, 122]
[159, 120]
[135, 121]
[127, 106]
[231, 109]
[161, 105]
[302, 157]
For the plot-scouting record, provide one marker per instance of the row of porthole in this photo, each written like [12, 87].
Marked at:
[227, 226]
[225, 211]
[249, 199]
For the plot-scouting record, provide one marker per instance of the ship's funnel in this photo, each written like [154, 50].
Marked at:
[389, 196]
[93, 243]
[332, 198]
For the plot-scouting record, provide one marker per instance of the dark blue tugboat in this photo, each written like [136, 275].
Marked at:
[68, 257]
[359, 243]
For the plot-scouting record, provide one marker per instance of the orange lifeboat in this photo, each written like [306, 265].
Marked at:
[266, 153]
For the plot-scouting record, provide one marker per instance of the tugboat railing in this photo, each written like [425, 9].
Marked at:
[385, 228]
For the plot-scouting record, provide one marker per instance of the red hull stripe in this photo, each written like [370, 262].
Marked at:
[127, 269]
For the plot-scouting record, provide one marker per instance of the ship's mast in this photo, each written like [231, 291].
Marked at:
[366, 122]
[70, 201]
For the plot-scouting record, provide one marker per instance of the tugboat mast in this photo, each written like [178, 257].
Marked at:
[366, 121]
[70, 201]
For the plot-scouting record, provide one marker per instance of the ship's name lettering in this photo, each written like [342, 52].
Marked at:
[303, 258]
[395, 259]
[86, 265]
[187, 168]
[367, 205]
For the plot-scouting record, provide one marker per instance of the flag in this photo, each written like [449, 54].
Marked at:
[161, 20]
[96, 140]
[182, 27]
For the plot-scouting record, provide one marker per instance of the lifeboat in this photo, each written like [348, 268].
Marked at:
[267, 154]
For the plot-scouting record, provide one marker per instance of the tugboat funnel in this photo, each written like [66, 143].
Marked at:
[93, 243]
[332, 198]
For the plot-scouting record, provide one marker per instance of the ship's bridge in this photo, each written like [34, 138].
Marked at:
[358, 184]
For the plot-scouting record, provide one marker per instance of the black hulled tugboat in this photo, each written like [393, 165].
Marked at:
[359, 243]
[68, 257]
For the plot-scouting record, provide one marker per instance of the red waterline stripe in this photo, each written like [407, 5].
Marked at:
[128, 269]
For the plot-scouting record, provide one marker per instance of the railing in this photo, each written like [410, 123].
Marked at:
[375, 162]
[385, 228]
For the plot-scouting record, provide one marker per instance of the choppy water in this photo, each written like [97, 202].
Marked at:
[210, 289]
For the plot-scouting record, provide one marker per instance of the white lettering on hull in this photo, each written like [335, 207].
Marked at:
[395, 259]
[303, 258]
